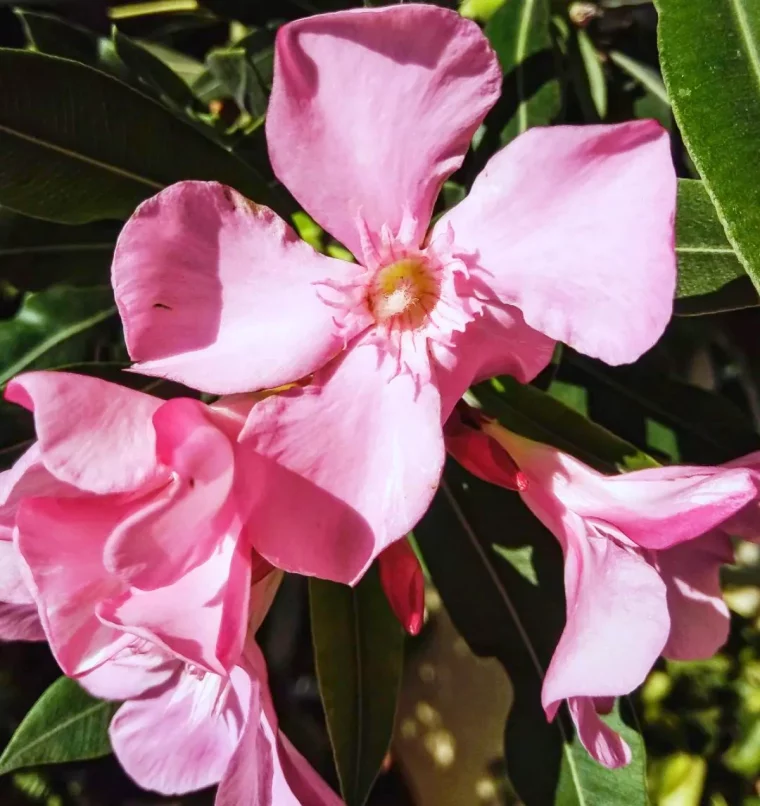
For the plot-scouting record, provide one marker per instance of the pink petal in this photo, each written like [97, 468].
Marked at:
[181, 526]
[360, 450]
[371, 110]
[20, 623]
[201, 618]
[574, 226]
[13, 586]
[699, 617]
[182, 738]
[95, 435]
[661, 507]
[617, 615]
[404, 584]
[61, 541]
[266, 770]
[209, 287]
[601, 742]
[498, 342]
[136, 669]
[653, 508]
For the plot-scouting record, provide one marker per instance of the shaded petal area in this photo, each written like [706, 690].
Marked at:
[700, 619]
[372, 109]
[201, 618]
[184, 522]
[359, 450]
[497, 342]
[574, 226]
[209, 287]
[95, 435]
[133, 671]
[182, 738]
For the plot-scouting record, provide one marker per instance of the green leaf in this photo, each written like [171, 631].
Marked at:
[358, 649]
[534, 414]
[237, 78]
[466, 536]
[152, 72]
[35, 254]
[710, 57]
[519, 33]
[100, 148]
[65, 724]
[52, 328]
[707, 262]
[57, 37]
[654, 102]
[597, 81]
[710, 429]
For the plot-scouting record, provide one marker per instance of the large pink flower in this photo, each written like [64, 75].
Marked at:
[642, 554]
[567, 234]
[128, 510]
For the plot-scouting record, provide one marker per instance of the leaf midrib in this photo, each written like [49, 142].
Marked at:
[752, 51]
[55, 248]
[75, 155]
[58, 727]
[55, 339]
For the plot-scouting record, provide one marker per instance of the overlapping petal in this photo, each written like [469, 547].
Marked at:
[355, 458]
[182, 525]
[94, 435]
[574, 226]
[209, 287]
[371, 110]
[183, 737]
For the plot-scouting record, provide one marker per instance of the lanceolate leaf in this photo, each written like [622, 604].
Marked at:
[519, 33]
[358, 649]
[710, 56]
[502, 613]
[52, 328]
[536, 415]
[65, 724]
[707, 262]
[35, 254]
[100, 148]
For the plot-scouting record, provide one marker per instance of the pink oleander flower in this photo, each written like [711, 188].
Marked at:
[566, 235]
[183, 728]
[127, 511]
[642, 555]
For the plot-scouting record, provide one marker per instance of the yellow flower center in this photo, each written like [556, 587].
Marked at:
[406, 289]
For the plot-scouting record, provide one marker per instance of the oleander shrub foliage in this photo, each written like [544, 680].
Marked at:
[314, 312]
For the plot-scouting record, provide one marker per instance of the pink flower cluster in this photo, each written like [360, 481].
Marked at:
[145, 539]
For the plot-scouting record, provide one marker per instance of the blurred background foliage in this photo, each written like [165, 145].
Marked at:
[693, 398]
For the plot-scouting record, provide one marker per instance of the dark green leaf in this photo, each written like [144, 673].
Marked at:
[358, 649]
[35, 254]
[536, 415]
[65, 724]
[53, 328]
[519, 33]
[100, 148]
[16, 432]
[592, 64]
[57, 37]
[470, 538]
[706, 260]
[710, 56]
[710, 429]
[160, 79]
[653, 101]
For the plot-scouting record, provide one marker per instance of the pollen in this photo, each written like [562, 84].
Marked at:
[404, 292]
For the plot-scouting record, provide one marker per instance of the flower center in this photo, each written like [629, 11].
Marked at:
[405, 291]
